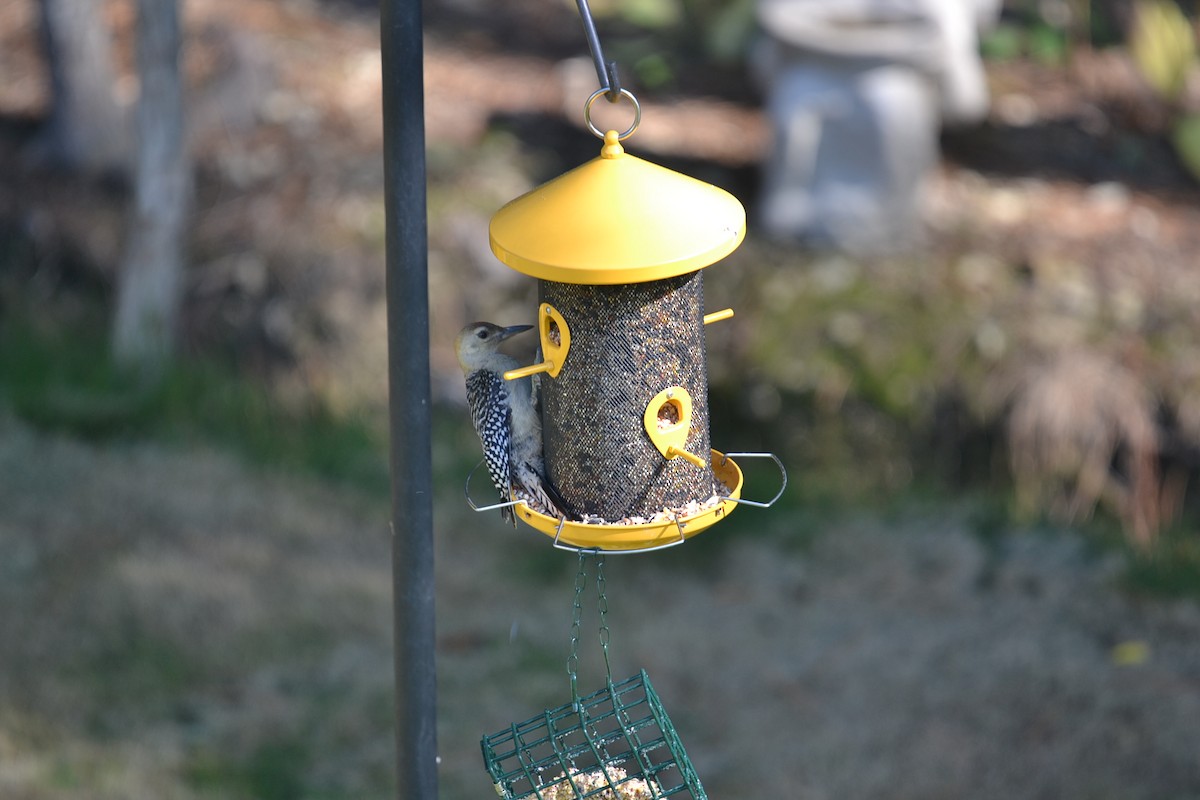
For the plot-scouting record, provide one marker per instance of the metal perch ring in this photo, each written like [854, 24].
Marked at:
[637, 113]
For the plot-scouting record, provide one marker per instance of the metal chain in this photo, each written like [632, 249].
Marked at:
[602, 604]
[576, 617]
[577, 621]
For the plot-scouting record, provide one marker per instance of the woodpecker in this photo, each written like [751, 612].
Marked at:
[505, 417]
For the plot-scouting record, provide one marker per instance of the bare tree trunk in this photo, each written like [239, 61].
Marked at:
[87, 128]
[149, 283]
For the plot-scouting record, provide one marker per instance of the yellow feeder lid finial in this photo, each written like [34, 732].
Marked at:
[617, 219]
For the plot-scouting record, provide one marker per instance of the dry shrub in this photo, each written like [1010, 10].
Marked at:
[1082, 432]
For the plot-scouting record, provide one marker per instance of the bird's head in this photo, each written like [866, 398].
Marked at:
[480, 340]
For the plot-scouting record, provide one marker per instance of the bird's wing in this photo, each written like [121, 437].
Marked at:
[492, 417]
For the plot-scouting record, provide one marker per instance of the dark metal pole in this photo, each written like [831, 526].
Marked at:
[408, 382]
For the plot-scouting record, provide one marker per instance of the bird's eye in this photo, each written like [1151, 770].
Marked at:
[482, 334]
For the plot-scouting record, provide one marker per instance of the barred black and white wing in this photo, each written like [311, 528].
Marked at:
[491, 414]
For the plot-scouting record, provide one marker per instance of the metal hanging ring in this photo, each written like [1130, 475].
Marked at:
[637, 113]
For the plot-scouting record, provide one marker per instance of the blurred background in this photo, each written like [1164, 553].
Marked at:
[967, 318]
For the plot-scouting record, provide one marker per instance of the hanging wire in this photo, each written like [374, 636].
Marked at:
[606, 71]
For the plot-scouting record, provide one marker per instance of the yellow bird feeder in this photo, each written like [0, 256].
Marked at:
[618, 246]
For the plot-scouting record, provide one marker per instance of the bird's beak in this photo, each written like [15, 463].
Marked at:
[512, 330]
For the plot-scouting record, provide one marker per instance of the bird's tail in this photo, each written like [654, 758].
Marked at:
[544, 494]
[558, 501]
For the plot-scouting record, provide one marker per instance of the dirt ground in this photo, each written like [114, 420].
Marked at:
[177, 625]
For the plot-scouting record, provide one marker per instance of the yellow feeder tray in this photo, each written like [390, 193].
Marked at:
[648, 536]
[615, 220]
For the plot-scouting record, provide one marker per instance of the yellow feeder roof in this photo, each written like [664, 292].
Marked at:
[617, 219]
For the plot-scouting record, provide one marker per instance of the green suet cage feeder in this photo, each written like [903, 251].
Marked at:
[615, 743]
